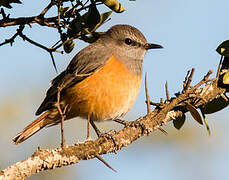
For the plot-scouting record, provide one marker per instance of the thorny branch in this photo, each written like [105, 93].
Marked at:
[40, 19]
[167, 91]
[44, 159]
[62, 20]
[148, 102]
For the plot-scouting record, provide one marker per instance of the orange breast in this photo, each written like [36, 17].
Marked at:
[107, 94]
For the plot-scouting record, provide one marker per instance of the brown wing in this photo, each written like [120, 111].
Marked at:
[84, 64]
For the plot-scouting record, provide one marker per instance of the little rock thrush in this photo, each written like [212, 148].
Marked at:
[101, 82]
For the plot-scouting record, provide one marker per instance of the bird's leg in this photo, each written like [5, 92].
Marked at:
[108, 135]
[98, 132]
[63, 142]
[63, 117]
[88, 128]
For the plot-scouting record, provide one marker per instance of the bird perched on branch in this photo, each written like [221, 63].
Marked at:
[101, 82]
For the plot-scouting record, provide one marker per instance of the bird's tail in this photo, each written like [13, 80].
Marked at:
[32, 128]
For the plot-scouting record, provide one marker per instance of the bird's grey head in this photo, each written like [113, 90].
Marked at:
[129, 42]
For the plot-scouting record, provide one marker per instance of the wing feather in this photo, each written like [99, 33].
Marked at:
[84, 64]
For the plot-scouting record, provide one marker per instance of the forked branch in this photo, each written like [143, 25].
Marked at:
[44, 159]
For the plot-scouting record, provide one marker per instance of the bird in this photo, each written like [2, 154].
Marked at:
[101, 82]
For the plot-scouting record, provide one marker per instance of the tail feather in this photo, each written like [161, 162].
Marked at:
[32, 128]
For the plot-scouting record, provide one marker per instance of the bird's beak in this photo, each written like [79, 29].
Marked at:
[152, 46]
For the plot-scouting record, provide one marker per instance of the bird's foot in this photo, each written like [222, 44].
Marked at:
[109, 135]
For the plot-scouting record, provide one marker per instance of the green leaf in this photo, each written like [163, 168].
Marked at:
[114, 5]
[63, 10]
[82, 26]
[75, 27]
[179, 122]
[6, 3]
[93, 17]
[92, 37]
[68, 46]
[226, 78]
[103, 18]
[207, 127]
[195, 114]
[206, 123]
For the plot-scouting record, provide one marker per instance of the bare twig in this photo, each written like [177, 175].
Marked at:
[154, 104]
[204, 80]
[148, 102]
[189, 79]
[46, 9]
[58, 12]
[104, 162]
[10, 40]
[3, 13]
[24, 37]
[53, 62]
[50, 50]
[186, 79]
[167, 91]
[26, 20]
[161, 101]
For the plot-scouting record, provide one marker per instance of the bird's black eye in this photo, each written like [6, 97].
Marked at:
[128, 41]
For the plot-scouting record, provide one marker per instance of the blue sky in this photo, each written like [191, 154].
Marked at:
[188, 30]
